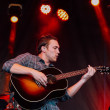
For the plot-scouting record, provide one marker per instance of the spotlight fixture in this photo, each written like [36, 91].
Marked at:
[14, 19]
[62, 14]
[14, 11]
[45, 9]
[95, 2]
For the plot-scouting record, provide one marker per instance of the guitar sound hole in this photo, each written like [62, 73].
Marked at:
[51, 79]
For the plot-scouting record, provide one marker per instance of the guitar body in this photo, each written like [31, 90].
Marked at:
[30, 95]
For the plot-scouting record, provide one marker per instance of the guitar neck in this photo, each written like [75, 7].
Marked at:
[71, 74]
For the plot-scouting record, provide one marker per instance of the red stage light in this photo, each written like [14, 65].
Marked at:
[14, 19]
[62, 14]
[95, 2]
[45, 9]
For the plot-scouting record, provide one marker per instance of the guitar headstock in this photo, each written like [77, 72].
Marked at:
[103, 69]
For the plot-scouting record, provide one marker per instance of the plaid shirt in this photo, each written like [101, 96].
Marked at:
[36, 63]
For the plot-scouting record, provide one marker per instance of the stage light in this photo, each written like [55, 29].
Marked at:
[14, 19]
[62, 14]
[14, 11]
[45, 9]
[95, 2]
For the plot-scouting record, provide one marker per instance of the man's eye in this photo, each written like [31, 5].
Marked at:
[55, 47]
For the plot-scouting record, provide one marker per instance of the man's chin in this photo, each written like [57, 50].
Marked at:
[54, 60]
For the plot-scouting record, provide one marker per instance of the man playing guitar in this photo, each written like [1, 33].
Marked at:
[28, 64]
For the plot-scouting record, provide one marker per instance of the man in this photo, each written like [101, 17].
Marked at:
[48, 51]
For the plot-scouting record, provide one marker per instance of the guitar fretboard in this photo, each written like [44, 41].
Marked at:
[70, 74]
[73, 73]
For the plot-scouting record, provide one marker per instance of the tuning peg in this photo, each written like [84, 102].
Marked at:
[102, 73]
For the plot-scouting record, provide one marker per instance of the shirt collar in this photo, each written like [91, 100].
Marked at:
[42, 61]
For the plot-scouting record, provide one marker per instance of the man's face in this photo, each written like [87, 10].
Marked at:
[52, 51]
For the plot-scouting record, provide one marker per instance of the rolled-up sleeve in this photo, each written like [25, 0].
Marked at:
[21, 59]
[65, 97]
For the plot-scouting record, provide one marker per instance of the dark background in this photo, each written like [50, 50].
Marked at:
[80, 38]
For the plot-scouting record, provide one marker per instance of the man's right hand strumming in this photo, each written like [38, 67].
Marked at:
[40, 77]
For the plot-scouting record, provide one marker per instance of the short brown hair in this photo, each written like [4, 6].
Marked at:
[44, 41]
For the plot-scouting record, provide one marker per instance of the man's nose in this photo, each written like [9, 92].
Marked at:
[58, 51]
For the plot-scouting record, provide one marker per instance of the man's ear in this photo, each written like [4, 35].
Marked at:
[43, 48]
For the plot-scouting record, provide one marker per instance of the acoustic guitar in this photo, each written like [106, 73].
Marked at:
[30, 94]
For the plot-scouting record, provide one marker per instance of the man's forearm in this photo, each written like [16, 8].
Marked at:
[19, 69]
[75, 88]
